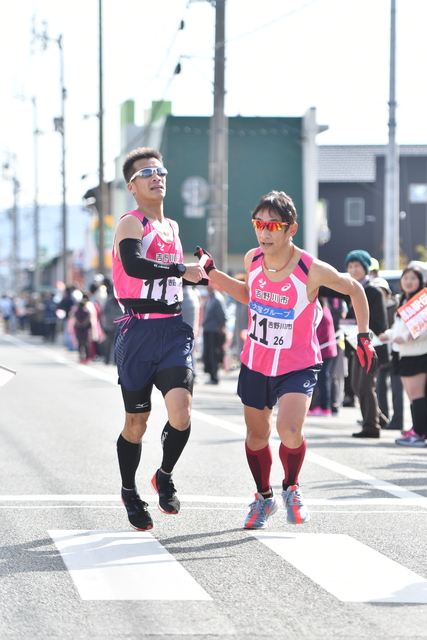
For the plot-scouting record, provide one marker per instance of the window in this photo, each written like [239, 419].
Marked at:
[354, 212]
[418, 193]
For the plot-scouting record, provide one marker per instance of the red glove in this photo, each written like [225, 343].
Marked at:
[366, 353]
[208, 262]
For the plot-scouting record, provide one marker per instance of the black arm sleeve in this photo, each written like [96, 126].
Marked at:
[138, 267]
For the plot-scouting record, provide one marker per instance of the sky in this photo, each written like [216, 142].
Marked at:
[282, 57]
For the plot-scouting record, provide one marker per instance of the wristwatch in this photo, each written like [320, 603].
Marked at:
[181, 268]
[368, 335]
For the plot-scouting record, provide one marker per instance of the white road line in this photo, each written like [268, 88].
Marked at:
[408, 502]
[346, 568]
[354, 474]
[117, 565]
[234, 509]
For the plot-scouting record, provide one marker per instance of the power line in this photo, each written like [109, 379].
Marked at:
[180, 27]
[261, 27]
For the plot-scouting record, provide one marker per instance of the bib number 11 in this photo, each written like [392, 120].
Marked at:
[260, 332]
[263, 325]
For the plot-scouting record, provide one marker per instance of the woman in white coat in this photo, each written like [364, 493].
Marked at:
[412, 365]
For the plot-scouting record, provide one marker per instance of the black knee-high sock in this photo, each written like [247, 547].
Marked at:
[129, 455]
[173, 443]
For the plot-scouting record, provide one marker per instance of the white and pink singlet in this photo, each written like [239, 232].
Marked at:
[282, 321]
[168, 289]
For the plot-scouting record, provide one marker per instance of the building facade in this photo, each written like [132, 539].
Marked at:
[352, 190]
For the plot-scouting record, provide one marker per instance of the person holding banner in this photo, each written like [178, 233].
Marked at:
[412, 345]
[153, 344]
[281, 356]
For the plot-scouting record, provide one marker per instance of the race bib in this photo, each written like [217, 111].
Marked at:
[271, 327]
[168, 290]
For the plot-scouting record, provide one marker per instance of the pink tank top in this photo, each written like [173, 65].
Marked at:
[167, 290]
[282, 321]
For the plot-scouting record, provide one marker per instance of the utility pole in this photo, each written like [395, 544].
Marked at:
[101, 206]
[217, 230]
[391, 202]
[36, 212]
[61, 130]
[36, 132]
[59, 124]
[14, 258]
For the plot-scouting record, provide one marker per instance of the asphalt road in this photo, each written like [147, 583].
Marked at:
[71, 567]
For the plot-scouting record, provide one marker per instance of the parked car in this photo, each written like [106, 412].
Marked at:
[393, 275]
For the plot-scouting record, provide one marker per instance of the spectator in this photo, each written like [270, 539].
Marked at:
[321, 405]
[413, 360]
[338, 369]
[7, 312]
[109, 314]
[82, 325]
[50, 317]
[364, 384]
[35, 309]
[214, 317]
[191, 315]
[99, 290]
[388, 374]
[68, 301]
[374, 268]
[20, 304]
[96, 336]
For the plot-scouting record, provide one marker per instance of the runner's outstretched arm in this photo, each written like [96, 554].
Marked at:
[235, 288]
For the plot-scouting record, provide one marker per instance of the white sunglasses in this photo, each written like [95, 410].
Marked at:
[148, 171]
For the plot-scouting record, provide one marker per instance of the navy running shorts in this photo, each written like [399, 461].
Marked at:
[144, 348]
[259, 391]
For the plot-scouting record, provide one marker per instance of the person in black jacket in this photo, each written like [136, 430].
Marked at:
[214, 318]
[358, 264]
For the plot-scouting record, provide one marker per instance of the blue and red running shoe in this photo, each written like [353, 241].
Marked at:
[260, 510]
[138, 514]
[168, 500]
[296, 511]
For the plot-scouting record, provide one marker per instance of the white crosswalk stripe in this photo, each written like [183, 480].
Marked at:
[122, 565]
[350, 570]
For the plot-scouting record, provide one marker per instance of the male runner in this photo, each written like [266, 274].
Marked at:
[152, 344]
[281, 356]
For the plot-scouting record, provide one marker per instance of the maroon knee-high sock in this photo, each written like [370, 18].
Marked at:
[292, 460]
[260, 463]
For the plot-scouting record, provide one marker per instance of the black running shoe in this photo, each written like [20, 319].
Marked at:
[168, 500]
[138, 514]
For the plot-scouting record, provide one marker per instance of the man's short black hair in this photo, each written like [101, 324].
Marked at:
[280, 203]
[142, 153]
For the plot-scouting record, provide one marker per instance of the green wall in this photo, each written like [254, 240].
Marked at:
[263, 154]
